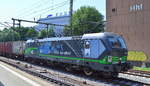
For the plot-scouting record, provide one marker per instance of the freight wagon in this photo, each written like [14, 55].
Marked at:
[6, 48]
[18, 48]
[12, 49]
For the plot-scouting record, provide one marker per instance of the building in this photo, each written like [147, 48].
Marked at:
[131, 19]
[63, 20]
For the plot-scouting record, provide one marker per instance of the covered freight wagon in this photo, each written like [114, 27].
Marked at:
[18, 48]
[1, 48]
[7, 49]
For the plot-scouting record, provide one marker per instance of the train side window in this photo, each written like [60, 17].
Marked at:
[28, 45]
[87, 45]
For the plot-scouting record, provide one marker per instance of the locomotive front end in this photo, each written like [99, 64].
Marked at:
[108, 53]
[117, 53]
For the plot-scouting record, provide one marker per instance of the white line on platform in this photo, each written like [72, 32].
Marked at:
[20, 76]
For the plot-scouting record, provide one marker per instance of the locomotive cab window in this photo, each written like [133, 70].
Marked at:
[121, 40]
[114, 43]
[117, 42]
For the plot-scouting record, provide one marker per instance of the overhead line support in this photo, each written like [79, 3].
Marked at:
[71, 12]
[39, 22]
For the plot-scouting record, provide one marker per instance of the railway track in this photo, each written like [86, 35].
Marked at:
[50, 76]
[139, 76]
[26, 69]
[61, 78]
[139, 73]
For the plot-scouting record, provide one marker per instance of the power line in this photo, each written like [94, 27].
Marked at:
[43, 9]
[5, 25]
[35, 5]
[48, 10]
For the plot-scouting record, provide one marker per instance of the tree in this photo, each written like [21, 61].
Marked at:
[9, 35]
[51, 32]
[67, 31]
[31, 33]
[22, 31]
[85, 21]
[43, 33]
[12, 36]
[16, 33]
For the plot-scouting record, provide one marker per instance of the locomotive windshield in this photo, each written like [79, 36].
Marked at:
[117, 42]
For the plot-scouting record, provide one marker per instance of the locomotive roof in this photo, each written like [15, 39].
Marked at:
[55, 39]
[98, 35]
[85, 36]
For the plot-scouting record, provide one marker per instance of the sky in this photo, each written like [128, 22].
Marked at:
[30, 9]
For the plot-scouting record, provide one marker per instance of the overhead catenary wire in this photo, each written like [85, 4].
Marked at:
[5, 25]
[56, 8]
[44, 9]
[34, 6]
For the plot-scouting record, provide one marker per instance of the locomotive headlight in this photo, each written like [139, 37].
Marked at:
[120, 59]
[109, 58]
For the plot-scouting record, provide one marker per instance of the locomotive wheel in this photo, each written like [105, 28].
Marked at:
[68, 68]
[107, 75]
[88, 71]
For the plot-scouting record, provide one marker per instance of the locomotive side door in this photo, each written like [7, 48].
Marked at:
[87, 51]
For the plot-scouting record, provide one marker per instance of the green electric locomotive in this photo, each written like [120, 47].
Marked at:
[105, 53]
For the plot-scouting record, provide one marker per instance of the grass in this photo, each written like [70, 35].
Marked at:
[141, 69]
